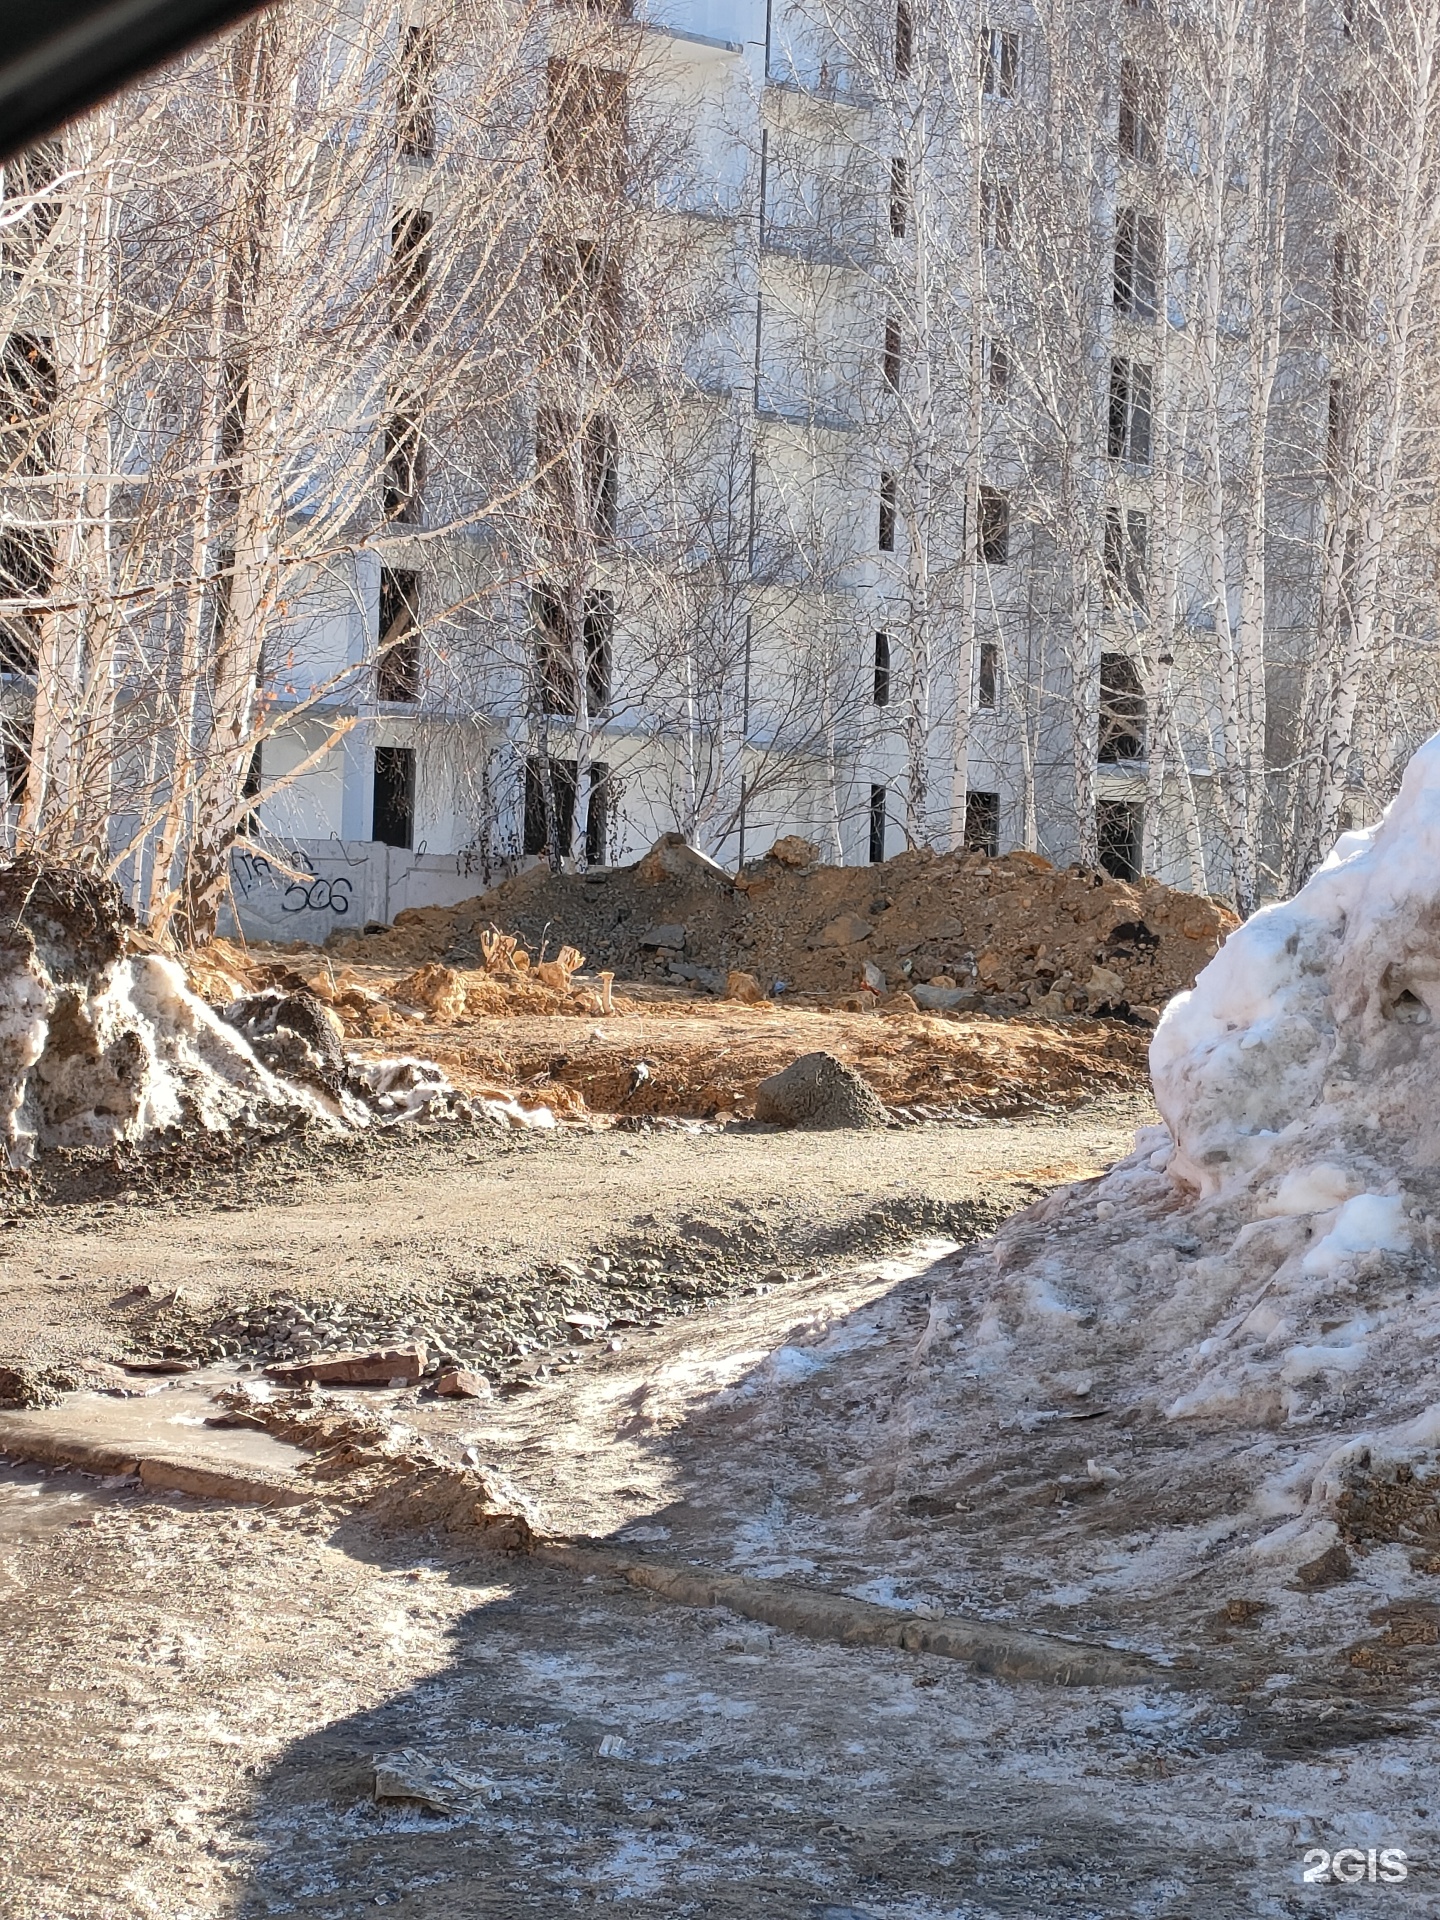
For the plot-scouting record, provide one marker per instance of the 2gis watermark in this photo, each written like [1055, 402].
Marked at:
[1352, 1866]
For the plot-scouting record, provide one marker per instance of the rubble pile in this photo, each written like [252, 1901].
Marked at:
[949, 930]
[1268, 1262]
[103, 1040]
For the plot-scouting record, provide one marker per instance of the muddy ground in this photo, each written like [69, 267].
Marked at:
[195, 1696]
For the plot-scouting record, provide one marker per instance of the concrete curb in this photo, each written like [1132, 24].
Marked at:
[160, 1469]
[991, 1648]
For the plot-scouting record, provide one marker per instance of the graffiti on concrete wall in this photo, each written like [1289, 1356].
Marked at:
[304, 889]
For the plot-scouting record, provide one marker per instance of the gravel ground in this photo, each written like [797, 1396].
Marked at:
[477, 1243]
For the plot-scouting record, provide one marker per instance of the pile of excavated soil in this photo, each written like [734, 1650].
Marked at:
[1016, 931]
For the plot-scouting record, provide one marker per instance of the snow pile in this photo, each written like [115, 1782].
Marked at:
[1267, 1261]
[100, 1044]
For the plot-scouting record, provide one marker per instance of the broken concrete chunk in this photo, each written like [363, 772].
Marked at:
[873, 977]
[791, 851]
[844, 931]
[669, 934]
[944, 999]
[818, 1091]
[459, 1383]
[381, 1367]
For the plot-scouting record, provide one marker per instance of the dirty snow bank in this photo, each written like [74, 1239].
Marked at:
[100, 1044]
[1267, 1260]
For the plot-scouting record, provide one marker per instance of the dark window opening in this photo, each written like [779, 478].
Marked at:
[999, 215]
[394, 812]
[1126, 557]
[1122, 710]
[899, 196]
[584, 302]
[1344, 310]
[558, 693]
[904, 38]
[1137, 263]
[251, 789]
[586, 127]
[410, 267]
[415, 94]
[999, 62]
[17, 732]
[563, 784]
[982, 822]
[877, 824]
[1348, 139]
[882, 669]
[1337, 423]
[988, 676]
[404, 480]
[1139, 111]
[1118, 825]
[27, 573]
[889, 498]
[890, 360]
[602, 476]
[28, 394]
[1130, 412]
[397, 669]
[993, 543]
[997, 370]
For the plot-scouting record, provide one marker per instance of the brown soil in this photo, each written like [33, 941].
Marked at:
[1016, 927]
[702, 1059]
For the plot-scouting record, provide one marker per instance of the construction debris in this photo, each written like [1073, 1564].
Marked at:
[381, 1367]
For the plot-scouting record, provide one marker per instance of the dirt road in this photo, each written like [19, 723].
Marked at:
[196, 1697]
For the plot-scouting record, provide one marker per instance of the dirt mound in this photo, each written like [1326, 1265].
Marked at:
[1012, 932]
[817, 1091]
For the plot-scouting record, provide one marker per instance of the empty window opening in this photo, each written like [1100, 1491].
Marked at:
[982, 822]
[17, 732]
[999, 62]
[1130, 412]
[1344, 304]
[404, 473]
[997, 371]
[1122, 710]
[889, 498]
[394, 810]
[27, 406]
[1337, 422]
[878, 799]
[27, 573]
[904, 38]
[1137, 263]
[251, 789]
[556, 652]
[410, 267]
[1118, 828]
[415, 94]
[583, 303]
[899, 196]
[586, 127]
[993, 532]
[562, 779]
[882, 669]
[987, 677]
[601, 459]
[1126, 557]
[998, 215]
[891, 358]
[1139, 111]
[397, 668]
